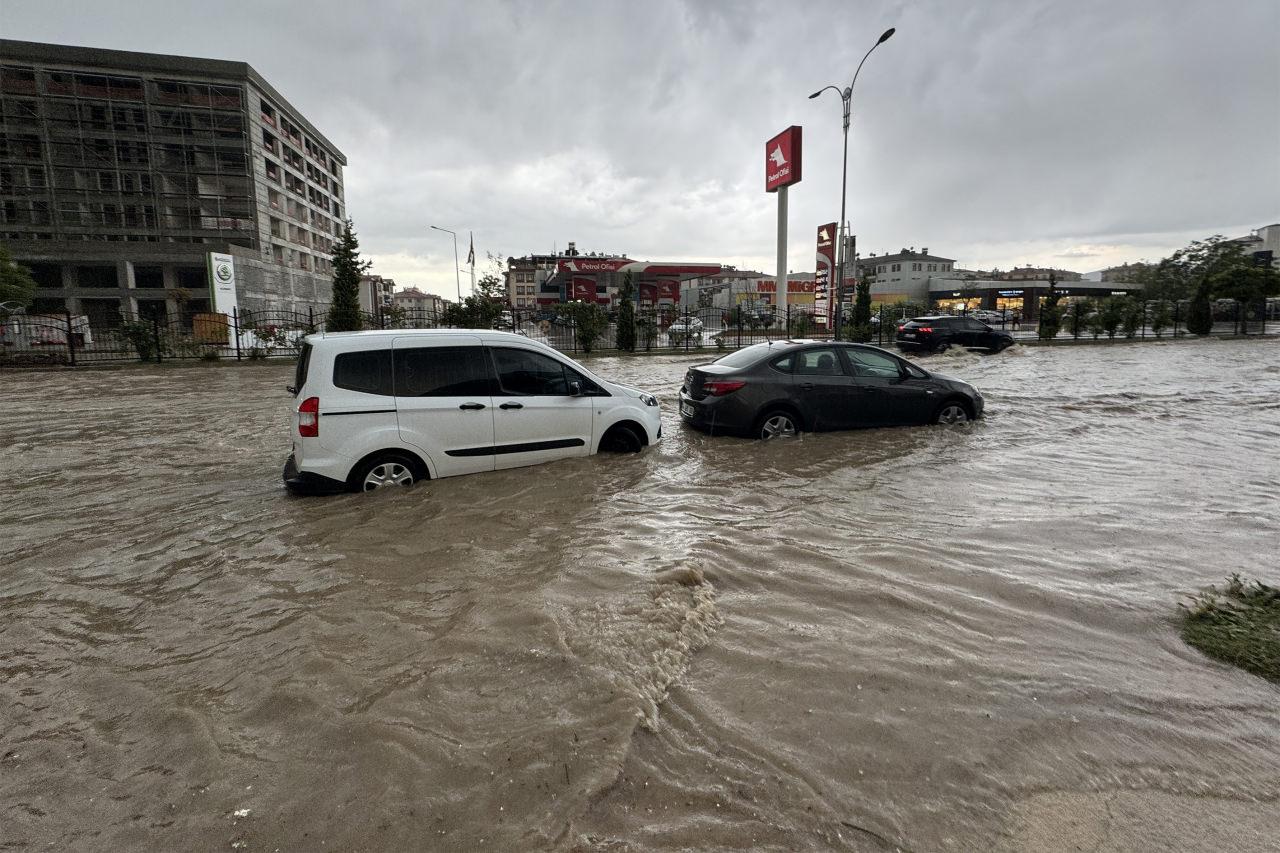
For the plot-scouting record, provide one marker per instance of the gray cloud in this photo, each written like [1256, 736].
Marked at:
[998, 133]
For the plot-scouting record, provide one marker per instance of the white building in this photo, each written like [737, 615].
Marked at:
[413, 300]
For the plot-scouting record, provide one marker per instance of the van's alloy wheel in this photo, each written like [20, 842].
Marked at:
[386, 471]
[778, 425]
[952, 413]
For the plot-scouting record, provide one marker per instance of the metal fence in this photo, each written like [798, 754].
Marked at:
[73, 340]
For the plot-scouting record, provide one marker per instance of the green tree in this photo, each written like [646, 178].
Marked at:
[344, 312]
[1078, 317]
[1131, 313]
[1200, 310]
[627, 314]
[1111, 312]
[16, 283]
[1161, 317]
[1247, 285]
[476, 311]
[859, 328]
[589, 321]
[1050, 312]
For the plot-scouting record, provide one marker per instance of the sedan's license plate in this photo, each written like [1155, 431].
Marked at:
[686, 409]
[908, 334]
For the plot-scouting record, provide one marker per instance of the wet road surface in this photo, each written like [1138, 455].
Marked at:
[933, 638]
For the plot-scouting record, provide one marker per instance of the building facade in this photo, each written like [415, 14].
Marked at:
[904, 276]
[413, 300]
[376, 293]
[121, 172]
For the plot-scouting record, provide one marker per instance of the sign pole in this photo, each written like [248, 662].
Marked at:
[780, 292]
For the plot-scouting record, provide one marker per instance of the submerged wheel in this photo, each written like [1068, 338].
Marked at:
[777, 425]
[389, 469]
[952, 412]
[621, 439]
[942, 346]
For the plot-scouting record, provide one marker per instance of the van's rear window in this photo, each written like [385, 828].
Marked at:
[369, 372]
[300, 374]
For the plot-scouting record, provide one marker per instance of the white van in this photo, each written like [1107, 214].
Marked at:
[392, 407]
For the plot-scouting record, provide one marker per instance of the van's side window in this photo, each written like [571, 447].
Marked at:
[442, 372]
[522, 372]
[368, 371]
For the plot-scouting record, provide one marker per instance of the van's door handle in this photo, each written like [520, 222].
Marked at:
[472, 406]
[807, 386]
[512, 406]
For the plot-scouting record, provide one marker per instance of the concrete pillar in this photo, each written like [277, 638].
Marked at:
[169, 276]
[128, 299]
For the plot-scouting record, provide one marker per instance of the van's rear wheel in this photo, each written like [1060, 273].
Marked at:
[389, 469]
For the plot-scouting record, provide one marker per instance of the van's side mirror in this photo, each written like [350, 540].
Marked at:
[291, 390]
[575, 389]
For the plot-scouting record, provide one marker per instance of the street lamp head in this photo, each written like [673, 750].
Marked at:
[816, 94]
[887, 35]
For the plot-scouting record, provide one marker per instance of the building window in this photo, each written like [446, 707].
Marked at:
[896, 268]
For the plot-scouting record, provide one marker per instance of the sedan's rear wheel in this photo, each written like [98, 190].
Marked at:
[777, 425]
[952, 412]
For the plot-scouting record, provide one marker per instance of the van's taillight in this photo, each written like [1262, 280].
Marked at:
[309, 418]
[720, 387]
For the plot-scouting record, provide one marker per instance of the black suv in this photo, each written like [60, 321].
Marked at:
[937, 334]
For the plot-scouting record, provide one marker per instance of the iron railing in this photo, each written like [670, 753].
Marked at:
[77, 340]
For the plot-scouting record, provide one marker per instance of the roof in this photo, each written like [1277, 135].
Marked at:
[129, 61]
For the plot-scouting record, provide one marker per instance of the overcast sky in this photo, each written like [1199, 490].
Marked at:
[1075, 134]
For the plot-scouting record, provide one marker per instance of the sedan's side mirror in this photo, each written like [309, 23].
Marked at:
[575, 389]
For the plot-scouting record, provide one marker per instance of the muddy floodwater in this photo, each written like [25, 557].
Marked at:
[941, 638]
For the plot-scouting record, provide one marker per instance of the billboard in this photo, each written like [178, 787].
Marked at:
[583, 289]
[222, 283]
[822, 301]
[782, 160]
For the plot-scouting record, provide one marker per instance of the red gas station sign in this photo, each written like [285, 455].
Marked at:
[782, 159]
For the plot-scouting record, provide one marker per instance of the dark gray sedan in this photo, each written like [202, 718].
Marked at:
[785, 387]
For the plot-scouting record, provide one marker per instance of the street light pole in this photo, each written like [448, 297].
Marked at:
[457, 278]
[846, 95]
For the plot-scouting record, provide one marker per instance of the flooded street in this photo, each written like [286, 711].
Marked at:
[931, 638]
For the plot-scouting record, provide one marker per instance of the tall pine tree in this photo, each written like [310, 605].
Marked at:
[1050, 311]
[627, 315]
[344, 313]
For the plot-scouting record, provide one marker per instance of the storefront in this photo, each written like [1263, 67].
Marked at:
[1021, 302]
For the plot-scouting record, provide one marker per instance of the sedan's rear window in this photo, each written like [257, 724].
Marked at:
[744, 357]
[368, 372]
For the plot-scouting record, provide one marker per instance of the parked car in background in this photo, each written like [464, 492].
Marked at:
[782, 388]
[384, 408]
[685, 329]
[940, 333]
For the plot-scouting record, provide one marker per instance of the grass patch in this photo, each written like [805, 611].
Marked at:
[1238, 624]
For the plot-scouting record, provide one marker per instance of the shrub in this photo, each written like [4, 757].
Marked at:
[1239, 624]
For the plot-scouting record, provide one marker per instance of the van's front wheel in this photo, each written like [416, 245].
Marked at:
[389, 469]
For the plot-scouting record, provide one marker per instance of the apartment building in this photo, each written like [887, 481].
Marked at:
[414, 301]
[903, 275]
[121, 172]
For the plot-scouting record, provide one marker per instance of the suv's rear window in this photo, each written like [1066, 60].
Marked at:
[369, 371]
